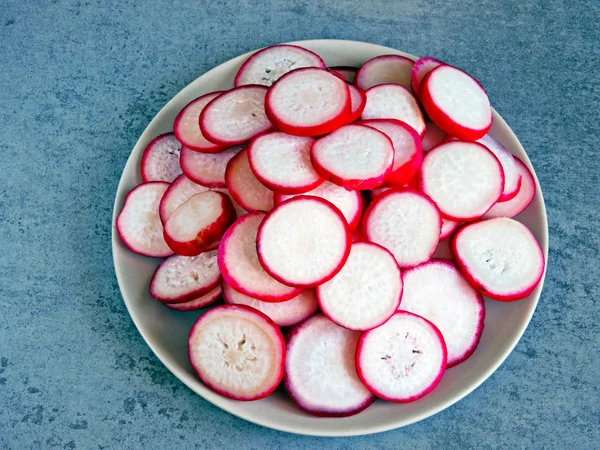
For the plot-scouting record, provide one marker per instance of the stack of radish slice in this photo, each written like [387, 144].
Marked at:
[316, 198]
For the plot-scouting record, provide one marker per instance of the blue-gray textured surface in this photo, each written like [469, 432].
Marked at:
[79, 81]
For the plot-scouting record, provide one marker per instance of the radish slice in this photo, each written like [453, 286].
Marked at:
[348, 73]
[138, 223]
[198, 303]
[320, 372]
[237, 352]
[433, 136]
[456, 102]
[402, 360]
[385, 69]
[282, 162]
[421, 68]
[187, 127]
[358, 100]
[350, 203]
[366, 292]
[284, 314]
[438, 292]
[200, 222]
[239, 265]
[308, 102]
[392, 101]
[181, 279]
[244, 187]
[207, 169]
[160, 161]
[235, 116]
[266, 66]
[407, 223]
[448, 227]
[500, 257]
[303, 242]
[354, 157]
[512, 179]
[524, 197]
[463, 178]
[407, 149]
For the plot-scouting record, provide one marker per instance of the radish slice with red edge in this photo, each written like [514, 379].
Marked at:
[385, 69]
[512, 179]
[237, 352]
[433, 136]
[524, 197]
[500, 257]
[448, 227]
[303, 242]
[244, 187]
[320, 372]
[187, 126]
[308, 102]
[358, 100]
[402, 360]
[198, 303]
[421, 68]
[138, 223]
[348, 73]
[160, 161]
[207, 169]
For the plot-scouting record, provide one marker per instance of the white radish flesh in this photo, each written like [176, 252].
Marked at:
[160, 161]
[244, 187]
[207, 169]
[385, 69]
[187, 125]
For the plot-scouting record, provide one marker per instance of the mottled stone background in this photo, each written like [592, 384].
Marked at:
[80, 80]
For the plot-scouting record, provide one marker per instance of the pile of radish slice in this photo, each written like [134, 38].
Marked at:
[316, 198]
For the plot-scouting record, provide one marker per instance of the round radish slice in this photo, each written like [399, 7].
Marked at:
[456, 102]
[200, 222]
[500, 257]
[235, 116]
[448, 226]
[392, 101]
[421, 68]
[524, 197]
[308, 102]
[354, 157]
[366, 292]
[239, 265]
[303, 242]
[284, 314]
[512, 179]
[138, 223]
[244, 187]
[207, 169]
[433, 136]
[350, 203]
[402, 360]
[237, 352]
[408, 153]
[348, 73]
[438, 292]
[320, 372]
[197, 303]
[385, 69]
[463, 178]
[180, 279]
[160, 161]
[282, 162]
[266, 66]
[358, 100]
[187, 126]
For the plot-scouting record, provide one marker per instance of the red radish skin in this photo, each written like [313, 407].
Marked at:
[187, 126]
[433, 136]
[448, 227]
[198, 303]
[160, 161]
[138, 223]
[521, 201]
[512, 179]
[245, 188]
[207, 169]
[358, 100]
[421, 68]
[237, 352]
[347, 73]
[385, 69]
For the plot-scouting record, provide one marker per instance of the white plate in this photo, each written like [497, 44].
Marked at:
[166, 331]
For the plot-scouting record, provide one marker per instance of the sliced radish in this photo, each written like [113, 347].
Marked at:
[524, 197]
[284, 314]
[408, 153]
[348, 73]
[239, 265]
[180, 279]
[235, 116]
[402, 360]
[198, 303]
[266, 66]
[138, 223]
[456, 102]
[358, 100]
[354, 157]
[512, 179]
[303, 242]
[433, 136]
[405, 222]
[448, 227]
[438, 292]
[320, 372]
[207, 169]
[385, 69]
[244, 187]
[392, 101]
[199, 223]
[282, 162]
[237, 352]
[308, 102]
[160, 161]
[350, 203]
[463, 178]
[187, 126]
[366, 292]
[500, 257]
[421, 68]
